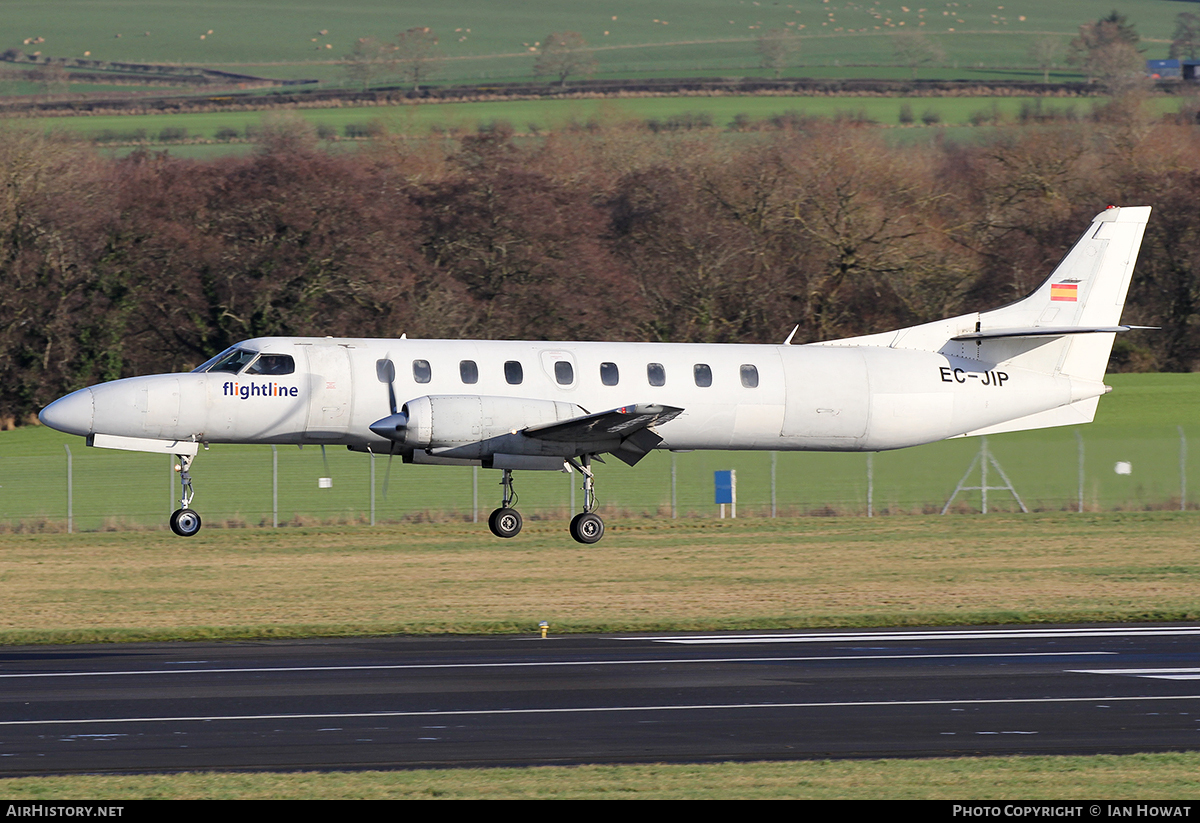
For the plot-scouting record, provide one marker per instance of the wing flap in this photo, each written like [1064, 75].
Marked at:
[621, 422]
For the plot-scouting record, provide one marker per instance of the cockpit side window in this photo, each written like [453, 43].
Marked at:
[232, 361]
[273, 365]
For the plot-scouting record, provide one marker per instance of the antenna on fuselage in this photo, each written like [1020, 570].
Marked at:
[788, 342]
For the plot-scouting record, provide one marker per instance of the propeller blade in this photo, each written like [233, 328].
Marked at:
[385, 371]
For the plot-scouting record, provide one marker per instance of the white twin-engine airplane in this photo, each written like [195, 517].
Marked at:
[552, 406]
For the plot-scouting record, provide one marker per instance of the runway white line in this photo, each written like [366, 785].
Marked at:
[1102, 700]
[546, 664]
[894, 636]
[1153, 674]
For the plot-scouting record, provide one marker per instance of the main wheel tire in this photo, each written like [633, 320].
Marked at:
[587, 528]
[505, 522]
[185, 522]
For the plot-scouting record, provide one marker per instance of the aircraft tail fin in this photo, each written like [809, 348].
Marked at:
[1088, 287]
[1068, 324]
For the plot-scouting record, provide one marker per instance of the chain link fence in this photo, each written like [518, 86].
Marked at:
[53, 482]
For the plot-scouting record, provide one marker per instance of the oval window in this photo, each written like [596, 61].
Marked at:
[385, 371]
[749, 376]
[609, 375]
[468, 371]
[564, 372]
[513, 372]
[421, 371]
[703, 375]
[656, 374]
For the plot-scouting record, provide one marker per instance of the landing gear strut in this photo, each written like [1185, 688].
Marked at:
[587, 527]
[184, 521]
[506, 520]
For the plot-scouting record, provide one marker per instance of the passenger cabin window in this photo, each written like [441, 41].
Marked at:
[230, 361]
[703, 375]
[749, 376]
[468, 371]
[513, 372]
[273, 365]
[609, 375]
[421, 371]
[656, 374]
[385, 371]
[564, 372]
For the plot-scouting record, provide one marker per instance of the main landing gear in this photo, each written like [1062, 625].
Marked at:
[586, 527]
[506, 521]
[184, 521]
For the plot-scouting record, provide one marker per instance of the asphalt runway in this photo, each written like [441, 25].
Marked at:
[407, 702]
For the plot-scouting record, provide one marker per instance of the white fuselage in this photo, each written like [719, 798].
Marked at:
[819, 397]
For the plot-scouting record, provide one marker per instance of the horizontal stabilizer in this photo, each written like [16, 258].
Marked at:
[1043, 331]
[606, 425]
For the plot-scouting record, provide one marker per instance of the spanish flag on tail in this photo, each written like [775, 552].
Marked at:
[1064, 292]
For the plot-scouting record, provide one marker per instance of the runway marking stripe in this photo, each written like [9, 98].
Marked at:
[970, 634]
[1153, 674]
[656, 661]
[1103, 700]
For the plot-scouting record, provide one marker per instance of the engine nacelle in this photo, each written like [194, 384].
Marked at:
[444, 421]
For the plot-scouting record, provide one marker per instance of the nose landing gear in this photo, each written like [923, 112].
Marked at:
[184, 521]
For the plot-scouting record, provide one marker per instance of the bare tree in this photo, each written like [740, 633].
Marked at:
[914, 50]
[1044, 52]
[368, 60]
[417, 56]
[562, 54]
[777, 47]
[1106, 50]
[1186, 40]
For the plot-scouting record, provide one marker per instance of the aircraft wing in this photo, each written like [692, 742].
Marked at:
[630, 423]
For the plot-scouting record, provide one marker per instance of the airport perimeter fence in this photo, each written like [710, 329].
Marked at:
[52, 482]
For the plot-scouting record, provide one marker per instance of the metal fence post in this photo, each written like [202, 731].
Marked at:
[1182, 470]
[674, 498]
[870, 484]
[774, 463]
[1079, 443]
[274, 487]
[70, 493]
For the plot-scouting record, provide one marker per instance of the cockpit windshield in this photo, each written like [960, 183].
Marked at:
[273, 364]
[235, 360]
[230, 360]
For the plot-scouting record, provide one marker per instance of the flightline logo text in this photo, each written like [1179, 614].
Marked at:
[247, 390]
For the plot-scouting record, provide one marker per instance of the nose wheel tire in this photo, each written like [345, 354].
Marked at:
[587, 528]
[505, 522]
[185, 522]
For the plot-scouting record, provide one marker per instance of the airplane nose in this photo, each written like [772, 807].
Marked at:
[71, 414]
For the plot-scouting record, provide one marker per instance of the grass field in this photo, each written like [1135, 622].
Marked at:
[540, 116]
[644, 576]
[1143, 777]
[483, 40]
